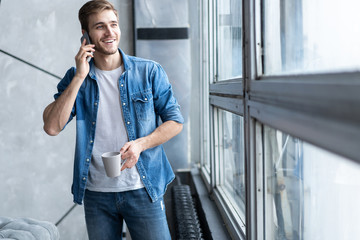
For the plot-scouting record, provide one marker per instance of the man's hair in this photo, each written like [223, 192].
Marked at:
[91, 7]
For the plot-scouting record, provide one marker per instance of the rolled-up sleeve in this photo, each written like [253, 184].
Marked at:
[62, 85]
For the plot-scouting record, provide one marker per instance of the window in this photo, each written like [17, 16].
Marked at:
[310, 36]
[229, 39]
[231, 150]
[280, 100]
[308, 190]
[224, 169]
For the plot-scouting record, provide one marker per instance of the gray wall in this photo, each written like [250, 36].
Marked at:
[36, 169]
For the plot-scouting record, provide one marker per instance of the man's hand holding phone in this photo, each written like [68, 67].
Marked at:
[83, 57]
[87, 41]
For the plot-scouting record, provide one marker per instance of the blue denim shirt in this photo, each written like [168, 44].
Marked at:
[146, 96]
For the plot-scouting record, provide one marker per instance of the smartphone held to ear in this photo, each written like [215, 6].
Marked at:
[86, 36]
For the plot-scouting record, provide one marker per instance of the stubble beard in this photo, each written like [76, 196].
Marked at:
[105, 51]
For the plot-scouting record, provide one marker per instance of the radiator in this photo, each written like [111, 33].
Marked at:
[187, 224]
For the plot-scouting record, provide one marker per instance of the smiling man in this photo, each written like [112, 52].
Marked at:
[117, 101]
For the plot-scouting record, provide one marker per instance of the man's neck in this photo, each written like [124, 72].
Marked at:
[108, 62]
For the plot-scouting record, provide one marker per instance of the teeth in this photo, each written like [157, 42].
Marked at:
[110, 41]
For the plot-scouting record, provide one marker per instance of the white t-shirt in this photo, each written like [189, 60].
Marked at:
[110, 136]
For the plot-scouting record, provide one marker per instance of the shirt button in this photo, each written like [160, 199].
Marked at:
[128, 123]
[144, 177]
[124, 104]
[91, 141]
[84, 178]
[122, 85]
[145, 99]
[95, 104]
[93, 123]
[88, 160]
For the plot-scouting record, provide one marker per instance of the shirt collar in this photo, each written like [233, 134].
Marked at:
[125, 60]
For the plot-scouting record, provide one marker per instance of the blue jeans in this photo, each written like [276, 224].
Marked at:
[105, 212]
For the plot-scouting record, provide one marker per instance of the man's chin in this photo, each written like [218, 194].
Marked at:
[111, 53]
[106, 51]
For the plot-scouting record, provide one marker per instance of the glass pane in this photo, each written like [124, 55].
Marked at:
[229, 39]
[231, 137]
[310, 36]
[310, 193]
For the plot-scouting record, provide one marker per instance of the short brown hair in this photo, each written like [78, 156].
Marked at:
[91, 7]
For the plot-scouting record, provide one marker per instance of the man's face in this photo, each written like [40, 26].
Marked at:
[104, 32]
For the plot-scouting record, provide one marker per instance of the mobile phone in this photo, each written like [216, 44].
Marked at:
[86, 36]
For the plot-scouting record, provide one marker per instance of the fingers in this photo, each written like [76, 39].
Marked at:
[125, 148]
[83, 42]
[86, 51]
[131, 153]
[82, 64]
[86, 55]
[129, 164]
[82, 56]
[88, 48]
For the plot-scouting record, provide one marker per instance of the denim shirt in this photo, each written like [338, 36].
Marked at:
[146, 97]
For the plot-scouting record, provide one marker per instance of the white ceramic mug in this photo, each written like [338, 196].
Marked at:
[112, 163]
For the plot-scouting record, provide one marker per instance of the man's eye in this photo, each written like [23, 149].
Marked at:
[99, 27]
[114, 25]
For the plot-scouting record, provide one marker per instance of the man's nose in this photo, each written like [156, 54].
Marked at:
[108, 30]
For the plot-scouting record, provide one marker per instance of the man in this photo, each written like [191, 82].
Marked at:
[118, 101]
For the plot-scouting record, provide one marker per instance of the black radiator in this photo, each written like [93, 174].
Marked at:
[187, 224]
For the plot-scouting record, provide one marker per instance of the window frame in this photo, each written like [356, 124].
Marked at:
[227, 95]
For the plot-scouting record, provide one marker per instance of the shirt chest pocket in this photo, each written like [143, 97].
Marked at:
[143, 104]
